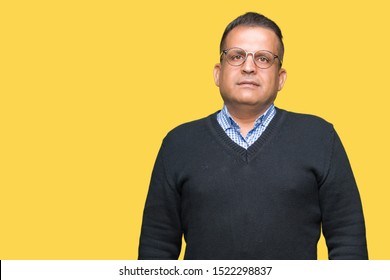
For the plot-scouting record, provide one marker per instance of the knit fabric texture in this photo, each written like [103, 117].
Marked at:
[267, 202]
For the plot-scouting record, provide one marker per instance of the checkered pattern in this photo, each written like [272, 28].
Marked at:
[232, 129]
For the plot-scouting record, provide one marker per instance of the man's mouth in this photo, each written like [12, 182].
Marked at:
[248, 82]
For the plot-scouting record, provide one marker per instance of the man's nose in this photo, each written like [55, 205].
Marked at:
[249, 65]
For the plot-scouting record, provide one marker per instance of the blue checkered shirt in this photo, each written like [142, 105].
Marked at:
[232, 129]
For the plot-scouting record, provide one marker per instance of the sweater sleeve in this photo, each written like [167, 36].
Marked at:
[161, 232]
[342, 215]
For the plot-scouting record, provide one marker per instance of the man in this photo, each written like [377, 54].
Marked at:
[252, 181]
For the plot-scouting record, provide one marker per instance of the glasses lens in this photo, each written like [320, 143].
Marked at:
[235, 56]
[264, 59]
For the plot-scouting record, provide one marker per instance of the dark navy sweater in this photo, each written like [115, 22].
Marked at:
[266, 202]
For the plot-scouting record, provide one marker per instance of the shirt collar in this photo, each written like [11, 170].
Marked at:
[227, 121]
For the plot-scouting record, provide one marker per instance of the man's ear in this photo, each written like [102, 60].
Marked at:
[282, 78]
[217, 70]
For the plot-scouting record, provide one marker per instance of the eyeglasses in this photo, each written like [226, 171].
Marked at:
[237, 56]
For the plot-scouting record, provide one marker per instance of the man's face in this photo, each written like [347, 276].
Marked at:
[248, 84]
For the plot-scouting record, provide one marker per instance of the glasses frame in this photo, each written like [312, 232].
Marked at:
[224, 52]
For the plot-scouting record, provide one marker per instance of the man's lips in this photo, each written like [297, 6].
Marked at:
[250, 83]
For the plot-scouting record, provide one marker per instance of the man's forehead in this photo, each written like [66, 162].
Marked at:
[252, 36]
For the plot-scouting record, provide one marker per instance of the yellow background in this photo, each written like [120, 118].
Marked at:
[90, 88]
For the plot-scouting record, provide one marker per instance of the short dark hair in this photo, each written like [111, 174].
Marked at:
[254, 19]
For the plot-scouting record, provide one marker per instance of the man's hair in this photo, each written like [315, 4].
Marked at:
[254, 20]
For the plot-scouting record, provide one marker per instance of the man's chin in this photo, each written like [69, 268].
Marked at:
[248, 102]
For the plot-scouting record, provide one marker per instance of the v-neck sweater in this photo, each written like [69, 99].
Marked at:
[266, 202]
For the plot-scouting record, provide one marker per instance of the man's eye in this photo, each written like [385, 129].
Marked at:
[263, 59]
[237, 57]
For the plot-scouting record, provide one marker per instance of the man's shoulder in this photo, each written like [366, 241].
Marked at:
[306, 121]
[190, 130]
